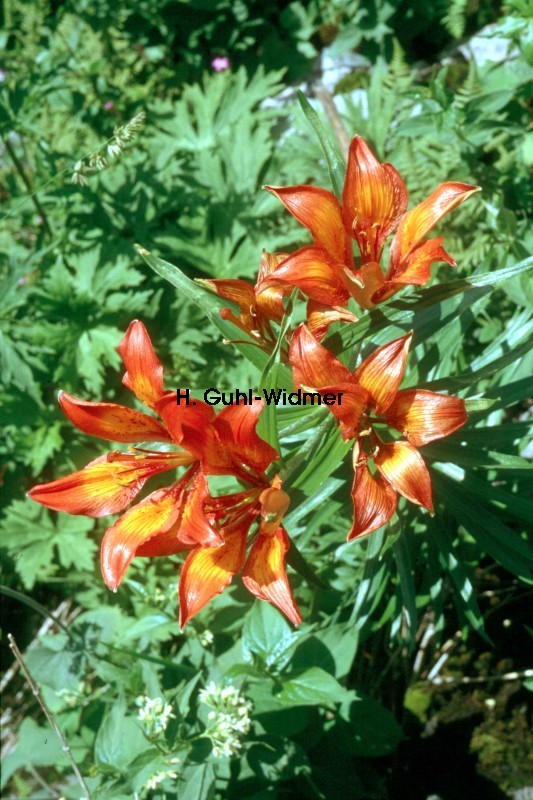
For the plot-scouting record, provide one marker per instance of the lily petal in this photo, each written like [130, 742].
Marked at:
[238, 291]
[236, 429]
[269, 262]
[106, 486]
[144, 372]
[349, 410]
[196, 416]
[319, 211]
[374, 502]
[208, 570]
[424, 416]
[416, 269]
[195, 526]
[312, 270]
[415, 224]
[403, 467]
[374, 198]
[265, 576]
[153, 515]
[162, 544]
[313, 365]
[111, 421]
[320, 317]
[382, 372]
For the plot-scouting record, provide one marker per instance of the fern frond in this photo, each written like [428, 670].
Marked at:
[470, 88]
[455, 20]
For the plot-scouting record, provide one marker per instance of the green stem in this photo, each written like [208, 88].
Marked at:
[28, 601]
[27, 183]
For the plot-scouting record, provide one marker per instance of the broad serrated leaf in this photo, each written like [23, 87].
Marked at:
[31, 536]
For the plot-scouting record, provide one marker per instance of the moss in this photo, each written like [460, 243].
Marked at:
[505, 750]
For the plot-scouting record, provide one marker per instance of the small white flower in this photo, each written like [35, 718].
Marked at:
[206, 638]
[155, 714]
[159, 777]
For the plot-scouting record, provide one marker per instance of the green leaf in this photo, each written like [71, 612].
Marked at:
[14, 369]
[425, 312]
[516, 506]
[97, 348]
[323, 452]
[197, 782]
[57, 669]
[479, 404]
[274, 759]
[46, 441]
[336, 165]
[506, 436]
[119, 740]
[146, 765]
[471, 378]
[36, 746]
[375, 578]
[468, 456]
[341, 642]
[404, 564]
[31, 535]
[511, 393]
[492, 535]
[317, 498]
[267, 635]
[268, 426]
[311, 687]
[465, 598]
[375, 730]
[296, 560]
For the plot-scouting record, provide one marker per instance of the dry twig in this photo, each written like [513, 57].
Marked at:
[35, 689]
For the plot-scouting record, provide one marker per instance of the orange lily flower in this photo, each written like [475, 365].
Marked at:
[374, 203]
[182, 516]
[257, 309]
[370, 396]
[108, 484]
[208, 570]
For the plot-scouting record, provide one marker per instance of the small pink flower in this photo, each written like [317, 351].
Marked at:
[109, 105]
[220, 63]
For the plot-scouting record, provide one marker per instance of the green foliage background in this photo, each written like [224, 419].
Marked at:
[345, 697]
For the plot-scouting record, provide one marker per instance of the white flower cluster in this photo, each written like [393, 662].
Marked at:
[228, 720]
[155, 714]
[159, 777]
